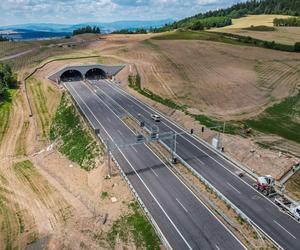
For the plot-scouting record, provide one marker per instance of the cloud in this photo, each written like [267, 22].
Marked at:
[75, 11]
[133, 3]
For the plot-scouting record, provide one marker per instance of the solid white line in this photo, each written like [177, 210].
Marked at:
[182, 205]
[139, 103]
[217, 247]
[176, 175]
[233, 187]
[135, 170]
[154, 172]
[285, 229]
[188, 188]
[157, 202]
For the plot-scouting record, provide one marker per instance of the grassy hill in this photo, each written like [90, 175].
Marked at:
[261, 27]
[222, 17]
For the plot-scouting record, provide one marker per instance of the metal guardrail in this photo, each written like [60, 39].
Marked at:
[206, 182]
[141, 203]
[222, 197]
[136, 195]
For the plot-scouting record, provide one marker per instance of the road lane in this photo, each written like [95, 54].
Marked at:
[198, 229]
[218, 172]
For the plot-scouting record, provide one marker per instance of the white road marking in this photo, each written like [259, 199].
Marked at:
[182, 205]
[154, 172]
[285, 229]
[218, 247]
[119, 132]
[174, 174]
[134, 149]
[185, 241]
[233, 187]
[107, 118]
[200, 161]
[171, 171]
[142, 105]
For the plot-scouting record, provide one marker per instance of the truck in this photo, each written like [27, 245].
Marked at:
[288, 206]
[265, 184]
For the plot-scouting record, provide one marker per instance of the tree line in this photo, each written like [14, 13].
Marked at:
[127, 31]
[291, 21]
[87, 29]
[3, 39]
[254, 7]
[8, 80]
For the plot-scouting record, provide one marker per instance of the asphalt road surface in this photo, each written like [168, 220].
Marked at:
[183, 219]
[284, 230]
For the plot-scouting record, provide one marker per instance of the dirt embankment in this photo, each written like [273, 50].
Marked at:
[47, 200]
[221, 80]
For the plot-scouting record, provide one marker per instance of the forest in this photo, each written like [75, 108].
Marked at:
[222, 17]
[87, 29]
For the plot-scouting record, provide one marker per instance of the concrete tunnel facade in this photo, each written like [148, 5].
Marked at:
[89, 72]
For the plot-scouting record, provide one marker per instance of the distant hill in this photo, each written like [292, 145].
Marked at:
[220, 18]
[25, 34]
[105, 27]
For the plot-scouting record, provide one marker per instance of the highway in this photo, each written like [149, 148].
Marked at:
[183, 219]
[217, 170]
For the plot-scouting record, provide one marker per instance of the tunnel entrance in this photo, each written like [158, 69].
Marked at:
[71, 76]
[95, 74]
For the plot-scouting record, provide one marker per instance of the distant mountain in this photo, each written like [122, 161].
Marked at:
[105, 27]
[24, 34]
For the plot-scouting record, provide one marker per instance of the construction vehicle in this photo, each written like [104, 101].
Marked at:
[265, 184]
[288, 206]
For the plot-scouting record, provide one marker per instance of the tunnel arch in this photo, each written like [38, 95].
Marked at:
[71, 75]
[95, 74]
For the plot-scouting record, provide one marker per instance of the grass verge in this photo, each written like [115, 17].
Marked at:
[216, 125]
[198, 35]
[75, 141]
[134, 226]
[281, 119]
[5, 108]
[226, 38]
[40, 104]
[21, 142]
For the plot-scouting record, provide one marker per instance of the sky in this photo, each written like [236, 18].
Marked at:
[78, 11]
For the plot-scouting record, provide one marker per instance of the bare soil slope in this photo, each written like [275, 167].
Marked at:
[221, 80]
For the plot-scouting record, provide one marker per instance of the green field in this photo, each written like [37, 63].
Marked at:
[39, 98]
[281, 119]
[135, 225]
[197, 35]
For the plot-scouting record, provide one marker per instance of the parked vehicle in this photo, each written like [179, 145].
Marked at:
[291, 207]
[155, 117]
